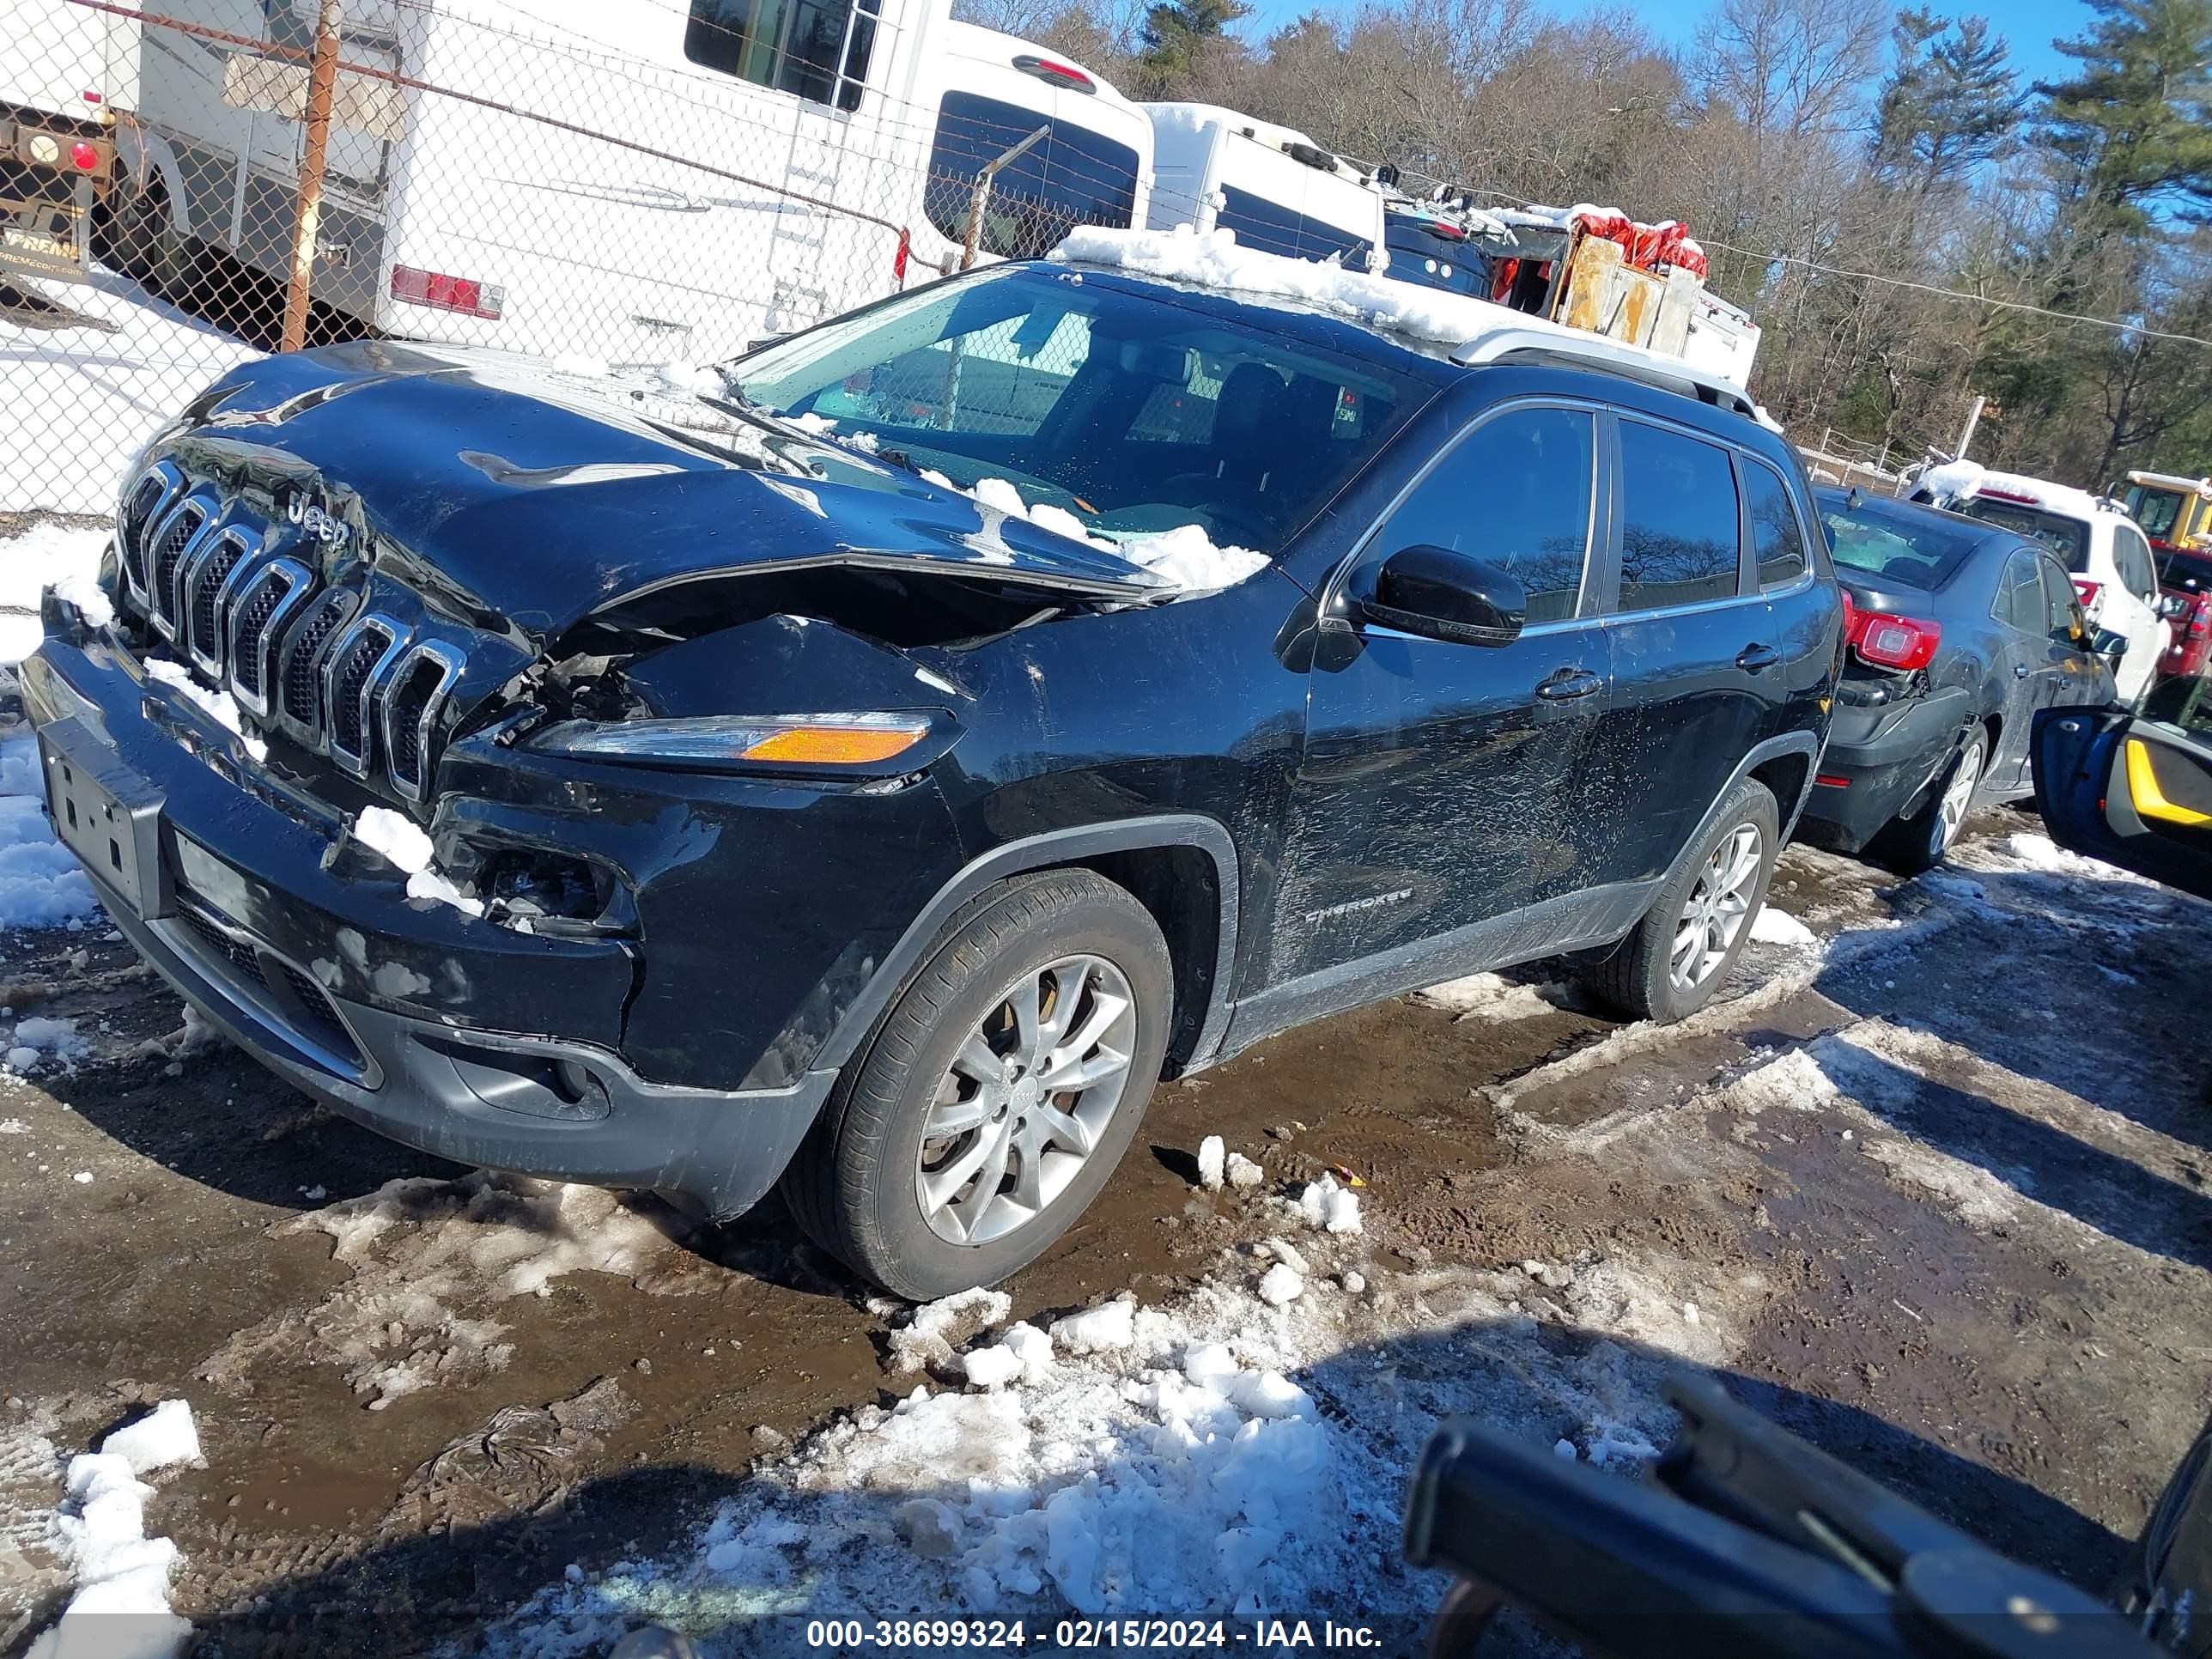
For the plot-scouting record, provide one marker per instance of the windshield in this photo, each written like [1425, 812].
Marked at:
[1420, 254]
[2155, 510]
[1071, 176]
[2067, 537]
[1135, 412]
[1901, 546]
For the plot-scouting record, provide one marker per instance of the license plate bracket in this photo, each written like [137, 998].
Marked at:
[108, 815]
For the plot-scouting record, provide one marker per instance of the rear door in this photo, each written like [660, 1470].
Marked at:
[1697, 673]
[2134, 791]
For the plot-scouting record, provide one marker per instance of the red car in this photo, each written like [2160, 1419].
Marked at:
[2185, 581]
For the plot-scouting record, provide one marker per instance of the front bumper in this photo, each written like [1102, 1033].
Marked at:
[466, 1039]
[1882, 759]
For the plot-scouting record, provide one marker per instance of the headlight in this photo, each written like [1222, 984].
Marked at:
[732, 739]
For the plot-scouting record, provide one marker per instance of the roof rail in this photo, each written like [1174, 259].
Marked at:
[1511, 340]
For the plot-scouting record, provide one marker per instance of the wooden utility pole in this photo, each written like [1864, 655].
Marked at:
[308, 211]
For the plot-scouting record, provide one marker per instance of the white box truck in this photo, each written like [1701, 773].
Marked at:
[630, 184]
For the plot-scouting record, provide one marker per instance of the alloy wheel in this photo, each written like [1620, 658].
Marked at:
[1958, 797]
[1026, 1100]
[1716, 908]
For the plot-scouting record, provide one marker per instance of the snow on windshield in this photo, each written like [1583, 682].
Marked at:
[1185, 555]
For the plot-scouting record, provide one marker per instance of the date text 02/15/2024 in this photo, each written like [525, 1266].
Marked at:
[860, 1635]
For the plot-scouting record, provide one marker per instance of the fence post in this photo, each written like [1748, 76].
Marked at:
[322, 83]
[982, 195]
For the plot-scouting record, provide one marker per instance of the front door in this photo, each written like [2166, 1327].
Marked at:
[1434, 790]
[1697, 669]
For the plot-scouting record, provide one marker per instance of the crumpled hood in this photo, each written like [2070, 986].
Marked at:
[508, 485]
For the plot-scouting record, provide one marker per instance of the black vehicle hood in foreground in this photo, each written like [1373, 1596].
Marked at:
[511, 487]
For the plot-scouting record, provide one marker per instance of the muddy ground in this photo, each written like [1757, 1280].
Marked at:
[1934, 1186]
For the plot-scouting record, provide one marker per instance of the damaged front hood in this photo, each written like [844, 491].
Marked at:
[511, 488]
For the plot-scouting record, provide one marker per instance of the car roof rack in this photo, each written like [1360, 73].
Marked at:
[1527, 341]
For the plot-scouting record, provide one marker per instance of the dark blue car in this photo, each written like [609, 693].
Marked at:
[876, 771]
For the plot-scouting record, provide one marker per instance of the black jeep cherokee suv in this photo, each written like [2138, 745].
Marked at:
[799, 814]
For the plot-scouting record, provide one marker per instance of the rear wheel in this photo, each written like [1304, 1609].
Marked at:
[1913, 844]
[998, 1092]
[1681, 951]
[148, 244]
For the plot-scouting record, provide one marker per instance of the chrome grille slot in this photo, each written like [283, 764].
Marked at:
[140, 510]
[208, 581]
[353, 673]
[299, 669]
[259, 612]
[419, 687]
[171, 537]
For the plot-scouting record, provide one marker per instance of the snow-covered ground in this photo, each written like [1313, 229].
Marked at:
[40, 884]
[83, 399]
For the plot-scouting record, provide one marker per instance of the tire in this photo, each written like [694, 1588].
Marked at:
[1911, 844]
[856, 1186]
[1636, 977]
[148, 246]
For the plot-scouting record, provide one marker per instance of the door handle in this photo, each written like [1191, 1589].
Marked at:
[1753, 658]
[1568, 682]
[2020, 671]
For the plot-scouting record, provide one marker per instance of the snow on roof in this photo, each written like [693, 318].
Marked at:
[1212, 260]
[1963, 480]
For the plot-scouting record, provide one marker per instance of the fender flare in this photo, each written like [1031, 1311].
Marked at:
[146, 154]
[1052, 849]
[1774, 747]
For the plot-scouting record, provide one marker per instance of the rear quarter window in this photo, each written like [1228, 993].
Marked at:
[1777, 536]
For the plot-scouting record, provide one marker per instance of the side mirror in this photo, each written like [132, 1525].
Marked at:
[1442, 595]
[2172, 605]
[2109, 645]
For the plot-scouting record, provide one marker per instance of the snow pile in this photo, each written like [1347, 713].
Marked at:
[1329, 1206]
[1773, 927]
[1106, 1329]
[41, 884]
[1243, 1173]
[1024, 1351]
[405, 846]
[2040, 854]
[38, 1039]
[934, 1329]
[431, 1261]
[100, 389]
[1185, 556]
[1487, 996]
[1212, 1161]
[219, 704]
[64, 557]
[120, 1608]
[1794, 1082]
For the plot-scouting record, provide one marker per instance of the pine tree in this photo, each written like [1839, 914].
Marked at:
[1949, 105]
[2134, 126]
[1177, 32]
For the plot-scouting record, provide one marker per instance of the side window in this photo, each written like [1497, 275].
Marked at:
[2062, 615]
[1681, 538]
[815, 49]
[2133, 556]
[2019, 602]
[1516, 492]
[1777, 538]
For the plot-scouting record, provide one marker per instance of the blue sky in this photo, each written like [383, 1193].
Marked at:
[2029, 25]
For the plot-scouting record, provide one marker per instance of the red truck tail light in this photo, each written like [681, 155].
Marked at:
[2200, 617]
[442, 293]
[1851, 615]
[1887, 641]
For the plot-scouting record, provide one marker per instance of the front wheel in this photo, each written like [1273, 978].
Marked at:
[1681, 951]
[998, 1092]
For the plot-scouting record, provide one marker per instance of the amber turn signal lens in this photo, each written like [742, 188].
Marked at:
[836, 745]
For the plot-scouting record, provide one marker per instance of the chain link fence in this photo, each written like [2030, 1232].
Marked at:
[652, 185]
